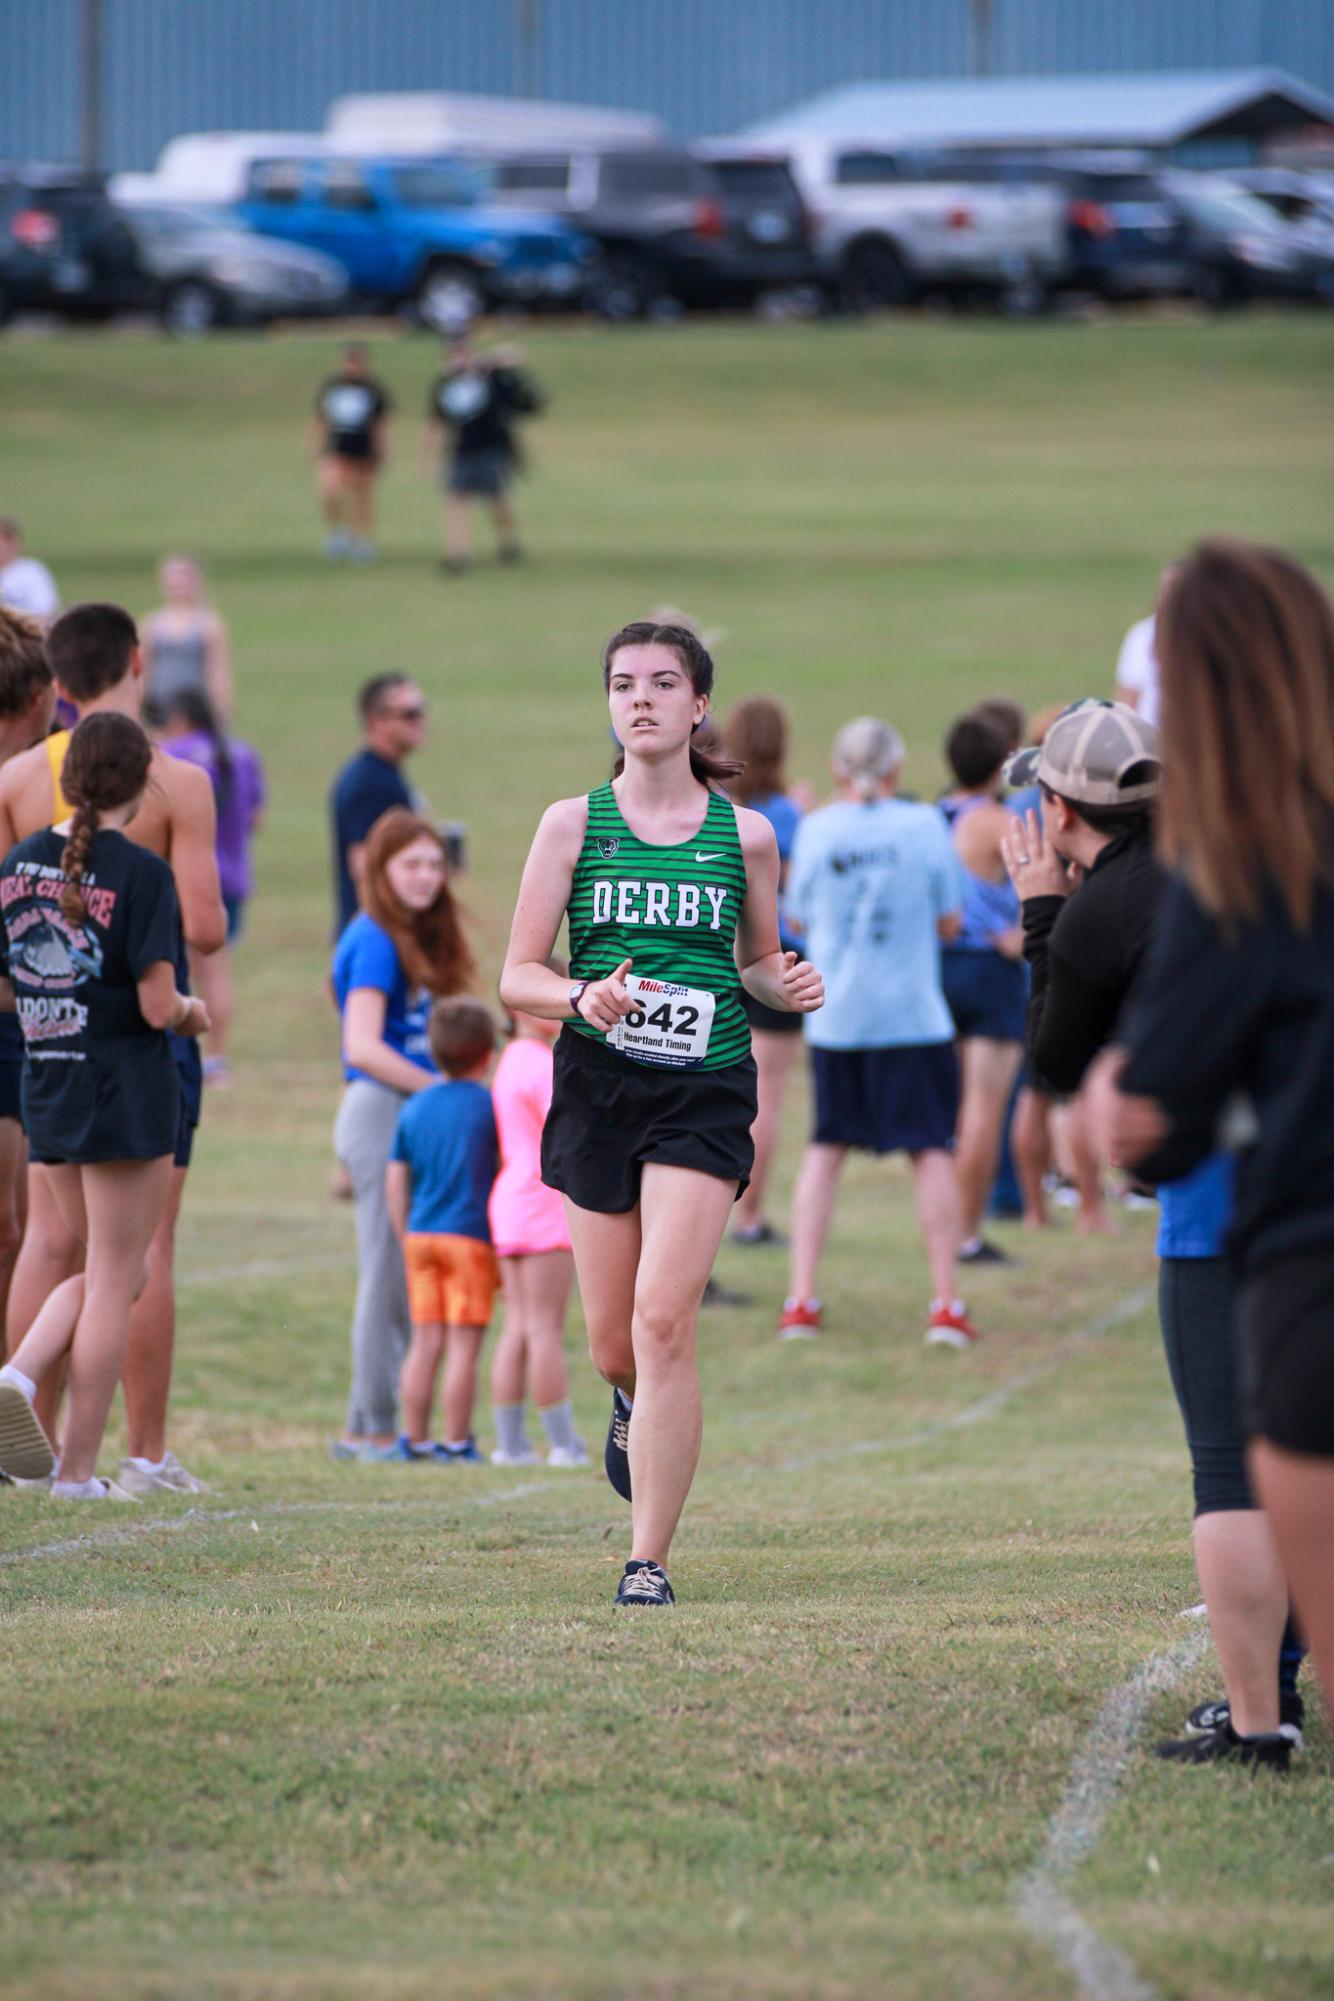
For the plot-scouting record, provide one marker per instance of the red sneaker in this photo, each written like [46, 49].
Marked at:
[800, 1320]
[949, 1325]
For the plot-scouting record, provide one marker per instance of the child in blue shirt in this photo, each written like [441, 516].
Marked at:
[441, 1167]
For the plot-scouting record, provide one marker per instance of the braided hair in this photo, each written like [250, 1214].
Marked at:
[106, 766]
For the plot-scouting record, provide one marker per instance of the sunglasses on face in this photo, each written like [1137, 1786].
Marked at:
[415, 714]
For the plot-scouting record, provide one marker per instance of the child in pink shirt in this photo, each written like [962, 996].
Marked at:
[532, 1242]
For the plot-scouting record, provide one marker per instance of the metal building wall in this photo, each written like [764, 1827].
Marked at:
[705, 65]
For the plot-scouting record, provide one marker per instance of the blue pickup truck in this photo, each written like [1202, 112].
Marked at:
[416, 232]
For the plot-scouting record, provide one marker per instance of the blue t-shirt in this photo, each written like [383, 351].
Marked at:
[784, 816]
[366, 787]
[366, 956]
[1195, 1213]
[447, 1136]
[869, 885]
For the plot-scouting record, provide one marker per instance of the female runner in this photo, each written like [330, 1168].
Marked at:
[669, 889]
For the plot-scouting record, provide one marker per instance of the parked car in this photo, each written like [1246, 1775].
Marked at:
[416, 232]
[207, 272]
[63, 247]
[665, 227]
[769, 230]
[1239, 249]
[892, 225]
[1304, 201]
[1124, 237]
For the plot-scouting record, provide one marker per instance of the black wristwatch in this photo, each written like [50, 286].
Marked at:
[577, 992]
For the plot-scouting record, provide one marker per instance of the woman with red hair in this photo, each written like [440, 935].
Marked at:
[405, 948]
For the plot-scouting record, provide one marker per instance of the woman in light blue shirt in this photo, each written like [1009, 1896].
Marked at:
[875, 886]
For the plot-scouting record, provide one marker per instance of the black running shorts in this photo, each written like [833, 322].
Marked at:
[1286, 1339]
[611, 1116]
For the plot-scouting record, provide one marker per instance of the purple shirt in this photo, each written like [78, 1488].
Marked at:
[240, 797]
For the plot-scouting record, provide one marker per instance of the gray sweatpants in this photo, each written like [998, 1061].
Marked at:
[363, 1134]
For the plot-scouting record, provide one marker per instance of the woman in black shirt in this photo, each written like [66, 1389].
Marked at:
[91, 939]
[1237, 1016]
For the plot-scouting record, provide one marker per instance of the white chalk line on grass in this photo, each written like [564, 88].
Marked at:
[1126, 1308]
[1041, 1897]
[196, 1518]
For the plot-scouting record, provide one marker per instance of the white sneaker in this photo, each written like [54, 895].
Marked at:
[525, 1458]
[107, 1490]
[25, 1449]
[569, 1455]
[170, 1478]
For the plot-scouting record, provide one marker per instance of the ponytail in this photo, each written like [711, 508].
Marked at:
[106, 766]
[74, 862]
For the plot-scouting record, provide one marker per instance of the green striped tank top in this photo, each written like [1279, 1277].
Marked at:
[673, 911]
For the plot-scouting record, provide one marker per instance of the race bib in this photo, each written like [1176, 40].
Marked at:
[668, 1024]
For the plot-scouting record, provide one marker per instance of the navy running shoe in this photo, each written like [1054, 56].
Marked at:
[644, 1584]
[1273, 1752]
[1211, 1716]
[466, 1454]
[616, 1457]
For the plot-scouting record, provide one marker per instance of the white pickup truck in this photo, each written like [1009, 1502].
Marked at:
[892, 225]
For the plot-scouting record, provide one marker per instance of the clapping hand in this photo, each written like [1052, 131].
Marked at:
[1031, 862]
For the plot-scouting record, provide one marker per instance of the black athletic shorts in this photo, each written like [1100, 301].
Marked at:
[610, 1116]
[1286, 1340]
[190, 1069]
[773, 1020]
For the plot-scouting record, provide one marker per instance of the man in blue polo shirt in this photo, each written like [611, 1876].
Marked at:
[393, 722]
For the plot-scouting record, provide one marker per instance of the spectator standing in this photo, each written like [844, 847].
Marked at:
[191, 731]
[1137, 670]
[393, 725]
[349, 438]
[532, 1240]
[185, 643]
[438, 1183]
[96, 659]
[404, 948]
[875, 885]
[93, 972]
[985, 983]
[27, 699]
[756, 737]
[1240, 999]
[26, 585]
[471, 412]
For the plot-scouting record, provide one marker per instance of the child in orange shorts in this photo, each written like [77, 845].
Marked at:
[441, 1167]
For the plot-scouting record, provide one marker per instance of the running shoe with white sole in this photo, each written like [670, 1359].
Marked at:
[25, 1449]
[467, 1454]
[800, 1320]
[525, 1458]
[950, 1327]
[1207, 1717]
[644, 1584]
[569, 1455]
[616, 1452]
[107, 1490]
[1272, 1751]
[168, 1478]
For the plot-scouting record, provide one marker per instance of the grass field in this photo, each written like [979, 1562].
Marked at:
[375, 1732]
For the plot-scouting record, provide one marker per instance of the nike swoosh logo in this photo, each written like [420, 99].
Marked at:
[706, 858]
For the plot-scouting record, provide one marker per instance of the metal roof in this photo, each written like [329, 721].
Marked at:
[1154, 109]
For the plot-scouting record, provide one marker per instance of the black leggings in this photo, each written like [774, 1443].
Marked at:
[1197, 1304]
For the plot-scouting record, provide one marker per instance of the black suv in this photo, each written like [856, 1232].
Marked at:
[64, 247]
[666, 227]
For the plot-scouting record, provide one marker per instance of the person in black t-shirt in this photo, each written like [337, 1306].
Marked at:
[350, 433]
[92, 932]
[471, 410]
